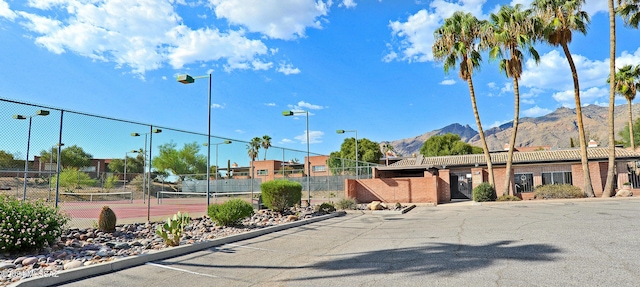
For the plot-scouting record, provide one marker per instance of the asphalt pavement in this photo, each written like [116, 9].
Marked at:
[588, 242]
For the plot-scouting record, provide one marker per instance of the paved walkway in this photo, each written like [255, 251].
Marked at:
[541, 243]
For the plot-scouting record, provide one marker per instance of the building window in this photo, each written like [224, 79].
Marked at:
[558, 177]
[319, 168]
[523, 182]
[263, 171]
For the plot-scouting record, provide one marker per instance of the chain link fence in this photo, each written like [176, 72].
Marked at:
[81, 162]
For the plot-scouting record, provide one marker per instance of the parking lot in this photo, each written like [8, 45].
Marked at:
[543, 243]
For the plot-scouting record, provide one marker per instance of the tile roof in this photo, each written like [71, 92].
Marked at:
[543, 156]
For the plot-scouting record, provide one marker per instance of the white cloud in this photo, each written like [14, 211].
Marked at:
[314, 137]
[288, 69]
[270, 104]
[286, 141]
[491, 85]
[5, 11]
[278, 19]
[447, 82]
[218, 106]
[348, 4]
[416, 33]
[535, 112]
[587, 97]
[240, 131]
[304, 105]
[507, 88]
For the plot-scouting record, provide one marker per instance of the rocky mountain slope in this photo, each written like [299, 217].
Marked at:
[554, 130]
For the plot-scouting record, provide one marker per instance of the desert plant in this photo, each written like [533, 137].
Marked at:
[508, 197]
[172, 230]
[484, 192]
[558, 191]
[110, 182]
[278, 195]
[230, 213]
[107, 220]
[346, 203]
[325, 207]
[28, 225]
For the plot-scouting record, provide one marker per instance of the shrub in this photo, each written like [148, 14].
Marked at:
[28, 225]
[172, 230]
[230, 213]
[507, 197]
[557, 191]
[107, 220]
[278, 195]
[484, 192]
[326, 207]
[72, 178]
[346, 203]
[110, 182]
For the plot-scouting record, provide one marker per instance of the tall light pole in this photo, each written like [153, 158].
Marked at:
[307, 163]
[343, 131]
[187, 79]
[215, 192]
[53, 148]
[126, 154]
[26, 161]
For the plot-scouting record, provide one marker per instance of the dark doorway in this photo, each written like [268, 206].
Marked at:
[461, 185]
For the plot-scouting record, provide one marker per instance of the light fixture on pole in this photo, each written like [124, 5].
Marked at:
[307, 163]
[144, 163]
[26, 161]
[124, 185]
[343, 131]
[215, 191]
[187, 79]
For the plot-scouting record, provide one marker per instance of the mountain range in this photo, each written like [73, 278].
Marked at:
[553, 130]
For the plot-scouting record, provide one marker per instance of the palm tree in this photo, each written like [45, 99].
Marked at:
[252, 149]
[629, 10]
[627, 83]
[459, 39]
[266, 144]
[559, 19]
[608, 187]
[514, 30]
[387, 149]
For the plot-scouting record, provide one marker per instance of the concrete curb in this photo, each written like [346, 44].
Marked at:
[127, 262]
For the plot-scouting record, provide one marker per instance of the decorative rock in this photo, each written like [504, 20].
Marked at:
[6, 265]
[292, 218]
[19, 260]
[72, 264]
[375, 205]
[29, 261]
[624, 193]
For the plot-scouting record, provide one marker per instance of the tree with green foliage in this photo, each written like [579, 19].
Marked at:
[626, 84]
[345, 159]
[514, 31]
[72, 156]
[448, 144]
[629, 10]
[266, 144]
[560, 18]
[624, 134]
[134, 164]
[459, 40]
[8, 160]
[182, 163]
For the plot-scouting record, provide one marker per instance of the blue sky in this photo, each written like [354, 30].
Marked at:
[353, 64]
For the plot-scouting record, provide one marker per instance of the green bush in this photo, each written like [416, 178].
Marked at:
[28, 225]
[325, 207]
[346, 203]
[557, 191]
[278, 195]
[72, 179]
[507, 197]
[484, 192]
[230, 213]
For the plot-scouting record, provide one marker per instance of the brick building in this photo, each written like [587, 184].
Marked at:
[441, 179]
